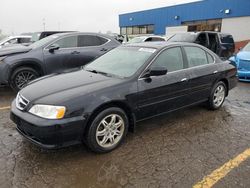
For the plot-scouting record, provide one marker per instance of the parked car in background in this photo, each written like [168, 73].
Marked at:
[131, 83]
[220, 43]
[13, 40]
[118, 37]
[53, 54]
[242, 61]
[146, 39]
[40, 35]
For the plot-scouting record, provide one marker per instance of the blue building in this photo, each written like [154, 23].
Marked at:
[230, 16]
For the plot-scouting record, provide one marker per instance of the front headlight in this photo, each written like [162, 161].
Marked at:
[48, 111]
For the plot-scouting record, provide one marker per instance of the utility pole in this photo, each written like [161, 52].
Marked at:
[59, 26]
[44, 24]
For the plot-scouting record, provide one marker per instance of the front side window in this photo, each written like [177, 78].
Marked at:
[67, 42]
[90, 40]
[196, 56]
[170, 59]
[202, 39]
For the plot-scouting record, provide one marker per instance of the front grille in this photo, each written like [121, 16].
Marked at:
[21, 102]
[244, 65]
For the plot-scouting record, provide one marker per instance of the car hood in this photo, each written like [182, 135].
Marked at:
[57, 89]
[243, 55]
[14, 50]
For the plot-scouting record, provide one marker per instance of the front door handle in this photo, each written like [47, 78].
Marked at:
[184, 80]
[75, 53]
[215, 72]
[104, 49]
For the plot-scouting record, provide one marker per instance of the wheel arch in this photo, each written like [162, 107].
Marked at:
[28, 63]
[226, 82]
[120, 104]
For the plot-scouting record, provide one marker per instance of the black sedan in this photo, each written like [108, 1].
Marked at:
[131, 83]
[53, 54]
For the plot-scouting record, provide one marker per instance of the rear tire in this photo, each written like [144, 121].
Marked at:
[217, 96]
[107, 130]
[21, 77]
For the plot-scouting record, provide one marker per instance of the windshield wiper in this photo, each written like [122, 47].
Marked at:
[99, 72]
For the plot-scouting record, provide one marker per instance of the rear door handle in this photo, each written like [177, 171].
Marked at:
[184, 80]
[75, 53]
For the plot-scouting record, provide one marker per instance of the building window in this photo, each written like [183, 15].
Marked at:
[150, 29]
[129, 30]
[123, 30]
[136, 30]
[206, 25]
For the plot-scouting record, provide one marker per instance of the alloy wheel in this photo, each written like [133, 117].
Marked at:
[110, 130]
[23, 78]
[219, 95]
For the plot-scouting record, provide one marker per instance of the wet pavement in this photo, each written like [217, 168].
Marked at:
[175, 150]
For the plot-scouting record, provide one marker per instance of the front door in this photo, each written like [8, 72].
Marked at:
[66, 57]
[160, 94]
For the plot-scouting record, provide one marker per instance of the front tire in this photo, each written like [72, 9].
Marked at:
[21, 77]
[217, 96]
[107, 130]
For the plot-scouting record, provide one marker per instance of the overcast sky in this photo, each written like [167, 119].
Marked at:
[17, 16]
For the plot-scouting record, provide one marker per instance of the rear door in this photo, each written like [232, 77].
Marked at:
[202, 71]
[161, 94]
[65, 57]
[91, 47]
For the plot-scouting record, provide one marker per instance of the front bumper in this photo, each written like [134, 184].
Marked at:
[48, 134]
[244, 76]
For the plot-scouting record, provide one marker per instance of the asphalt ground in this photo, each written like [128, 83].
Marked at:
[194, 147]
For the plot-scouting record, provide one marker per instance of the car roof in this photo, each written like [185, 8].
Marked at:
[84, 33]
[19, 36]
[160, 44]
[198, 32]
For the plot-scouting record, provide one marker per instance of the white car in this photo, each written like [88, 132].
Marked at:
[146, 39]
[13, 40]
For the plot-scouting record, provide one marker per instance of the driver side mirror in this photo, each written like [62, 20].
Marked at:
[156, 71]
[53, 47]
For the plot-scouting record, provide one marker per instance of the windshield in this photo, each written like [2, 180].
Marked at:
[35, 37]
[4, 40]
[247, 48]
[43, 41]
[137, 40]
[183, 37]
[121, 62]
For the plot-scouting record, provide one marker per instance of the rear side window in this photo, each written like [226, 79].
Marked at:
[23, 40]
[226, 38]
[157, 39]
[170, 59]
[67, 42]
[90, 40]
[196, 56]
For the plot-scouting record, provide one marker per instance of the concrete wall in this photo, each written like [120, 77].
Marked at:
[239, 27]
